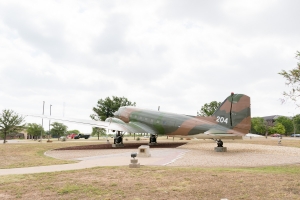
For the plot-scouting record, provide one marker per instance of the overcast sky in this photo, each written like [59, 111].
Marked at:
[174, 54]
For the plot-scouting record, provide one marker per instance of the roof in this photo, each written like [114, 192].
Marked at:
[274, 117]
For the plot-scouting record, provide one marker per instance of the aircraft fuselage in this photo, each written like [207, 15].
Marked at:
[167, 123]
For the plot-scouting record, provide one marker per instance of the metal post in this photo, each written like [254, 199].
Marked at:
[294, 126]
[49, 121]
[42, 120]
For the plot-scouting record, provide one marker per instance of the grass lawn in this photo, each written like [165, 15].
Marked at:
[32, 154]
[277, 182]
[156, 183]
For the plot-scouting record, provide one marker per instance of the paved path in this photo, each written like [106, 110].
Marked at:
[158, 158]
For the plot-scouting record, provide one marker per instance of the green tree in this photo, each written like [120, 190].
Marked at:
[293, 81]
[35, 129]
[296, 120]
[287, 123]
[277, 128]
[48, 133]
[98, 131]
[259, 125]
[106, 108]
[208, 109]
[9, 122]
[58, 129]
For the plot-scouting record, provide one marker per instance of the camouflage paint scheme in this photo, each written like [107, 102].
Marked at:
[231, 120]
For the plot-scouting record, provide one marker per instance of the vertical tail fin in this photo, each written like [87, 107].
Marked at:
[235, 113]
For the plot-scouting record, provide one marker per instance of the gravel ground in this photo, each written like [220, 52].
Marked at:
[237, 155]
[202, 154]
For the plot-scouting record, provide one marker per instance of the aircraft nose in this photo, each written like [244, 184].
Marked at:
[116, 114]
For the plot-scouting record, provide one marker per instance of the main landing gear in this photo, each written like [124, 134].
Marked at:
[219, 143]
[220, 147]
[118, 140]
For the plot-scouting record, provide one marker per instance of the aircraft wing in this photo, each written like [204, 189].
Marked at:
[223, 131]
[213, 131]
[131, 127]
[219, 132]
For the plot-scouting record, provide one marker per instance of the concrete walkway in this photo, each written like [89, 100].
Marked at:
[158, 158]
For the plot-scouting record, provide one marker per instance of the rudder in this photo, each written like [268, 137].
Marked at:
[235, 113]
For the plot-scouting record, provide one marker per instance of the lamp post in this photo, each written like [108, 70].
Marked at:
[294, 125]
[49, 120]
[42, 120]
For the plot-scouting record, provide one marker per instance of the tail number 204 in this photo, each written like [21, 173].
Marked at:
[222, 119]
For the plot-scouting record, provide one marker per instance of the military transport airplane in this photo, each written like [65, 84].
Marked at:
[231, 120]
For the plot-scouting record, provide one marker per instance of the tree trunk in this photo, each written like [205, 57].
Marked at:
[4, 139]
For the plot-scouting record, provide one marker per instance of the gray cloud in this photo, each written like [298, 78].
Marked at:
[25, 81]
[277, 18]
[205, 11]
[48, 40]
[113, 37]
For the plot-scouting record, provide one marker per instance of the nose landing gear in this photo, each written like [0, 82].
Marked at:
[153, 139]
[118, 140]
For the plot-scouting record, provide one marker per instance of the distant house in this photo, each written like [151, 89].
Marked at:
[14, 136]
[271, 119]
